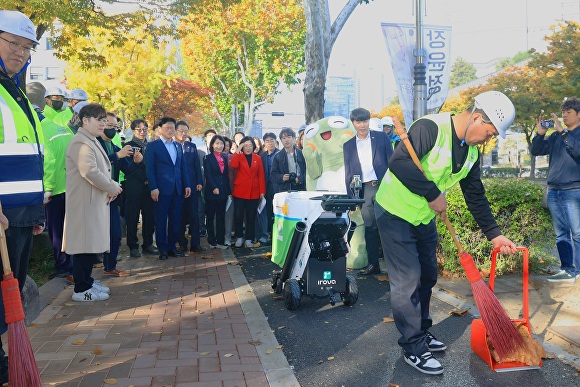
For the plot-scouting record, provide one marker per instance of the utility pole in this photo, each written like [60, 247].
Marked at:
[420, 84]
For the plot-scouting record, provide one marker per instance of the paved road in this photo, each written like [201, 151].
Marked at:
[352, 346]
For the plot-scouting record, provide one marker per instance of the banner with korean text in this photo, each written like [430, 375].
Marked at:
[401, 41]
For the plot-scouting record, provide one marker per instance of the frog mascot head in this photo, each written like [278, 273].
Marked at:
[322, 150]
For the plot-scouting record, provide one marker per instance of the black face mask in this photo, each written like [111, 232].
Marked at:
[110, 133]
[57, 105]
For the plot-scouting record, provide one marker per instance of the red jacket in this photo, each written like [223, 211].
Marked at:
[249, 182]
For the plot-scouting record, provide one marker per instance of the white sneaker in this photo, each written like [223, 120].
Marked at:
[99, 287]
[89, 295]
[425, 363]
[239, 242]
[561, 276]
[248, 243]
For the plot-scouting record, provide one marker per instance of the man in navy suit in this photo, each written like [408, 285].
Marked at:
[168, 182]
[367, 156]
[189, 212]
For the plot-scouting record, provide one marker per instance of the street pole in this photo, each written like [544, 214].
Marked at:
[420, 84]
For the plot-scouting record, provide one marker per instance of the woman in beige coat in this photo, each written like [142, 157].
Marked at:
[89, 188]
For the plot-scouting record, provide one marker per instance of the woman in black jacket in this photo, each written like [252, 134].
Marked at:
[217, 190]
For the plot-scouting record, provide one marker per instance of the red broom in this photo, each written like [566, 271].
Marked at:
[501, 330]
[22, 368]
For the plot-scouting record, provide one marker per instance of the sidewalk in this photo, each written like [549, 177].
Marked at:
[190, 321]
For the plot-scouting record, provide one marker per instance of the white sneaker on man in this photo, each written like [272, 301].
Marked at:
[89, 295]
[239, 242]
[424, 363]
[100, 287]
[248, 243]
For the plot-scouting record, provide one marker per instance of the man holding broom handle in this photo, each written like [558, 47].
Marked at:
[21, 191]
[408, 201]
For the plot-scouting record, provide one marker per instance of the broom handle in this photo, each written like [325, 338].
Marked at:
[405, 138]
[4, 248]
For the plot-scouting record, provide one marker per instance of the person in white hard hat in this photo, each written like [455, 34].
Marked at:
[21, 139]
[74, 97]
[408, 201]
[55, 102]
[389, 128]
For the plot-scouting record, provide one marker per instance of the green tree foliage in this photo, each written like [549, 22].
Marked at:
[515, 204]
[132, 76]
[242, 51]
[519, 57]
[462, 72]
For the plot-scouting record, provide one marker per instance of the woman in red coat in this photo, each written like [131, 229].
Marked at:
[249, 189]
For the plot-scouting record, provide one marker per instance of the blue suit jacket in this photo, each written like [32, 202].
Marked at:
[382, 151]
[169, 179]
[193, 164]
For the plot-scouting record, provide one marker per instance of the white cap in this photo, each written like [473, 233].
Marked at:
[498, 108]
[78, 94]
[375, 124]
[54, 91]
[79, 106]
[386, 120]
[17, 24]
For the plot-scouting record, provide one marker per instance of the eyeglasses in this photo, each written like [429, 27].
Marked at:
[102, 120]
[140, 130]
[17, 46]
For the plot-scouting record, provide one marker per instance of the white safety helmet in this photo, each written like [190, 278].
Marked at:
[79, 106]
[386, 120]
[54, 91]
[498, 107]
[78, 94]
[17, 24]
[375, 124]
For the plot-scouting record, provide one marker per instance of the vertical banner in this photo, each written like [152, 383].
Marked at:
[401, 41]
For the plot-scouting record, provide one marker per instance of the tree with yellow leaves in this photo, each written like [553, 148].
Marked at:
[132, 75]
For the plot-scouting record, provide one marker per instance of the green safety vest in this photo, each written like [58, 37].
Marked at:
[20, 155]
[56, 142]
[62, 118]
[398, 200]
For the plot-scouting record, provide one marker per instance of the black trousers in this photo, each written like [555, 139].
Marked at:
[19, 243]
[245, 209]
[82, 271]
[135, 204]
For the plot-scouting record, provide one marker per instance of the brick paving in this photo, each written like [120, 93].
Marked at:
[171, 323]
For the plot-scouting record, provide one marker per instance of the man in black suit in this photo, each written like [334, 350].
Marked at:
[189, 212]
[168, 183]
[367, 156]
[138, 197]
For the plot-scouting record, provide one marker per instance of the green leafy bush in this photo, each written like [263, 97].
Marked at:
[515, 203]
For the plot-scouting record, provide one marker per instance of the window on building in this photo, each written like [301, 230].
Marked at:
[54, 73]
[36, 73]
[48, 44]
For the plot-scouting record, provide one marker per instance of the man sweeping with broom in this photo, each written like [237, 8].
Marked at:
[408, 201]
[21, 191]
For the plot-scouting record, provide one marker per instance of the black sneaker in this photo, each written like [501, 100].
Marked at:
[434, 345]
[424, 363]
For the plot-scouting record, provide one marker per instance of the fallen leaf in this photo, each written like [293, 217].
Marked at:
[269, 351]
[393, 384]
[268, 254]
[459, 312]
[388, 319]
[382, 278]
[255, 342]
[277, 298]
[320, 361]
[279, 347]
[97, 352]
[204, 353]
[281, 327]
[110, 381]
[330, 358]
[228, 355]
[78, 342]
[156, 333]
[550, 355]
[33, 325]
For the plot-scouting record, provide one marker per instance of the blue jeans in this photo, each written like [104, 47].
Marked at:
[564, 206]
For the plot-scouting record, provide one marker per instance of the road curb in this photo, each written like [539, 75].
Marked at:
[276, 366]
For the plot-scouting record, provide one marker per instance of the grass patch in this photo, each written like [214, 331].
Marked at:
[41, 264]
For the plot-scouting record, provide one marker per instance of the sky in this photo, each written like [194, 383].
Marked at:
[483, 31]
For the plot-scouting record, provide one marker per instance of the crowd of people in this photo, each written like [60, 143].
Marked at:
[65, 166]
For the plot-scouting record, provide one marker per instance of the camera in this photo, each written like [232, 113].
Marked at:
[136, 149]
[292, 176]
[546, 124]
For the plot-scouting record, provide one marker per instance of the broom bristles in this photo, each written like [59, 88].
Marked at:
[503, 334]
[22, 368]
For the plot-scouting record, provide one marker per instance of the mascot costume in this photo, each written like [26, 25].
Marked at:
[322, 150]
